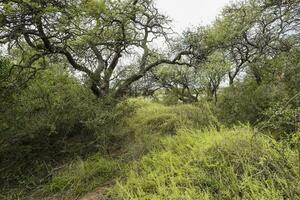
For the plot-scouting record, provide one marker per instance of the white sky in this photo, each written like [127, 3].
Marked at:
[187, 13]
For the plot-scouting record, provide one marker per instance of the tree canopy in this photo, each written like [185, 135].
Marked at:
[102, 39]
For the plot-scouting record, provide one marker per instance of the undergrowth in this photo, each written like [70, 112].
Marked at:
[233, 164]
[84, 175]
[180, 152]
[154, 118]
[153, 121]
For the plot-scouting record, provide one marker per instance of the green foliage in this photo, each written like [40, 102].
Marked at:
[101, 30]
[52, 121]
[13, 195]
[235, 19]
[216, 63]
[286, 68]
[11, 79]
[94, 7]
[142, 131]
[41, 124]
[181, 84]
[246, 102]
[155, 118]
[212, 165]
[282, 117]
[175, 147]
[83, 175]
[109, 124]
[4, 66]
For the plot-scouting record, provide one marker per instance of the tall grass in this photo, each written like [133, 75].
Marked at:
[152, 118]
[153, 121]
[178, 153]
[83, 176]
[233, 164]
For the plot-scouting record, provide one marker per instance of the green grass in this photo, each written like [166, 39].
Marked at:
[232, 164]
[83, 176]
[176, 153]
[153, 121]
[149, 125]
[155, 118]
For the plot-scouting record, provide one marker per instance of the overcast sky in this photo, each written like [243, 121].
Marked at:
[186, 13]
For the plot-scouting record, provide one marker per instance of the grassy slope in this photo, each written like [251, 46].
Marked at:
[232, 164]
[196, 163]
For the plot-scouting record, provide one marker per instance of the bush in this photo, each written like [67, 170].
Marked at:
[281, 119]
[246, 102]
[109, 124]
[211, 165]
[52, 121]
[37, 124]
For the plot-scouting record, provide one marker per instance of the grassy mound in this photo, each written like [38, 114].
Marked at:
[153, 118]
[232, 164]
[152, 121]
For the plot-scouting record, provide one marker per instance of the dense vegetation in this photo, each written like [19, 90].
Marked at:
[90, 108]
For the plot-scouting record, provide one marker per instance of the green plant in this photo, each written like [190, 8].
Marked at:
[245, 102]
[231, 164]
[281, 118]
[83, 175]
[39, 125]
[152, 118]
[153, 121]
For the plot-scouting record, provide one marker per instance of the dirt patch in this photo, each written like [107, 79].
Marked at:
[97, 194]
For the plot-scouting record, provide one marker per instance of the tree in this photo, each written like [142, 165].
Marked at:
[180, 82]
[250, 32]
[189, 84]
[101, 39]
[213, 73]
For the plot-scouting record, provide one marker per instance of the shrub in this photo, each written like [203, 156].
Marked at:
[282, 119]
[246, 102]
[109, 124]
[37, 123]
[211, 165]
